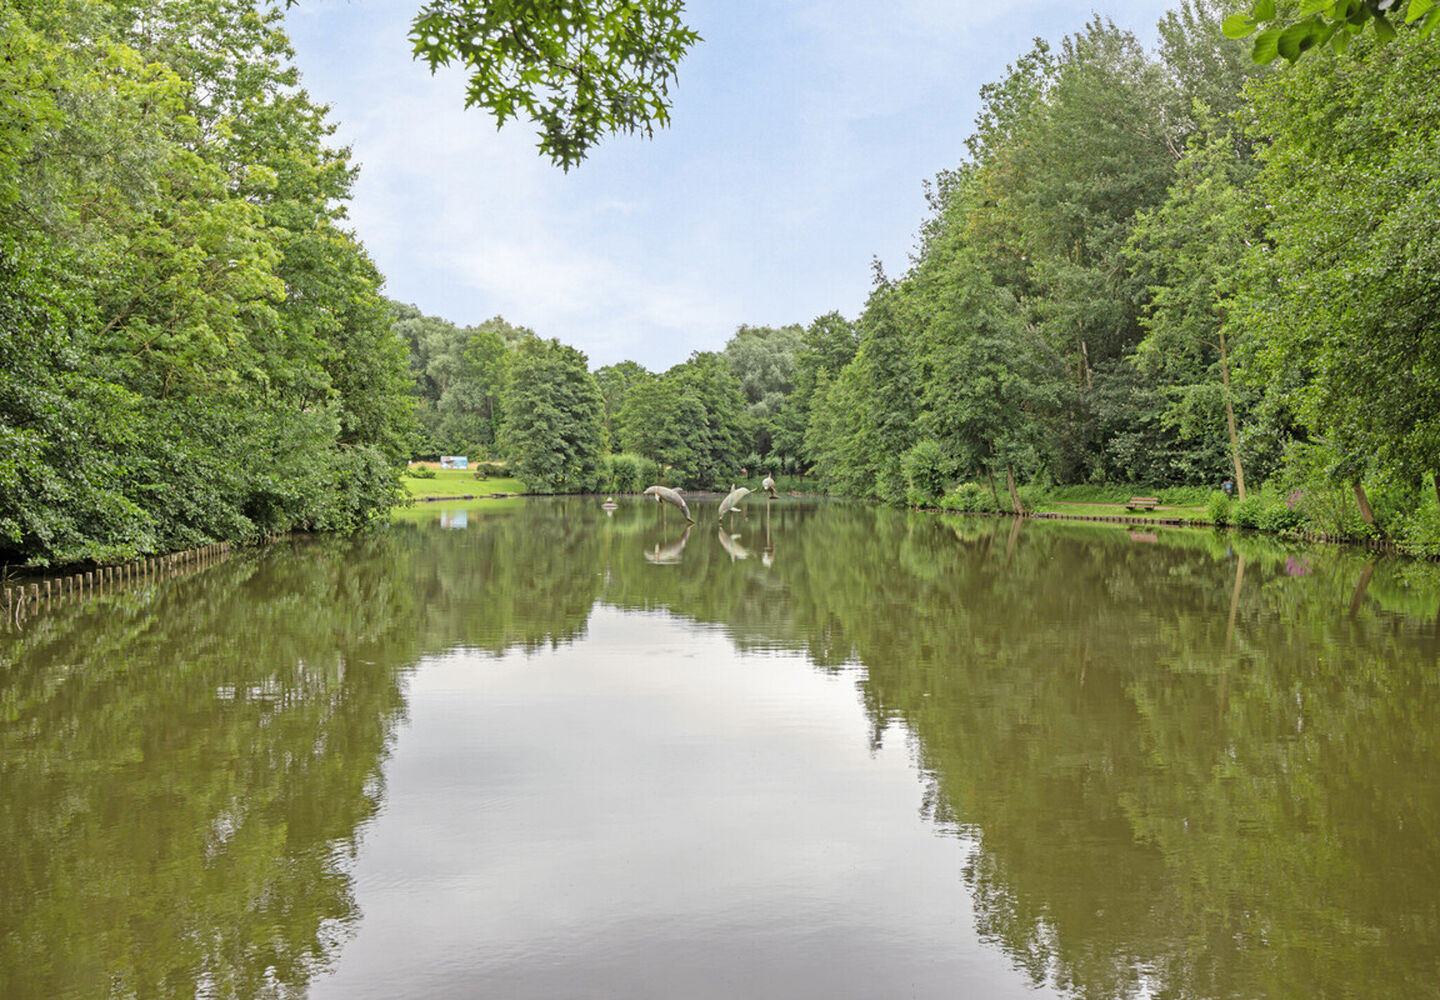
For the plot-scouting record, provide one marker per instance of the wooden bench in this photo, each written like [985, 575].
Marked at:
[1141, 503]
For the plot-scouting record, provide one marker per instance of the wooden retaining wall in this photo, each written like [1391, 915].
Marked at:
[24, 600]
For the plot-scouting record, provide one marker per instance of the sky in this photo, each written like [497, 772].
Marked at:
[802, 134]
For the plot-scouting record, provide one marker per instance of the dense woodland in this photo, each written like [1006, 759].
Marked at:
[194, 346]
[1158, 268]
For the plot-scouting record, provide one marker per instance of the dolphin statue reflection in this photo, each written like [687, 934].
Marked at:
[672, 497]
[732, 501]
[730, 545]
[669, 555]
[768, 485]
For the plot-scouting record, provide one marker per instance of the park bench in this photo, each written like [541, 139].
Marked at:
[1141, 503]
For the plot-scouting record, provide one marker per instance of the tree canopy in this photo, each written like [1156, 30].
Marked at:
[579, 71]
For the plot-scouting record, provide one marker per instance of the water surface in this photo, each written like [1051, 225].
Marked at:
[829, 750]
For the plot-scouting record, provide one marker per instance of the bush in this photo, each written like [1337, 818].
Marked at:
[971, 497]
[1249, 511]
[420, 472]
[926, 468]
[1218, 508]
[1279, 517]
[626, 473]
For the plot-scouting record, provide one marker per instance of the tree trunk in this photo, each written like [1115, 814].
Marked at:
[1014, 496]
[1436, 476]
[1366, 514]
[1230, 418]
[990, 475]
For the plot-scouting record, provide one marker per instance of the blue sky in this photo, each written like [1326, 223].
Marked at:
[802, 134]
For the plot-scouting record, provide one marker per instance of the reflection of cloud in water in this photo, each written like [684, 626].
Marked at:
[459, 519]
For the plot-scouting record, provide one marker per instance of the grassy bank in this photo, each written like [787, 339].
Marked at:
[1408, 524]
[424, 481]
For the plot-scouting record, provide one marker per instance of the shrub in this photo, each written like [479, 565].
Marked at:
[1280, 517]
[926, 468]
[971, 497]
[626, 473]
[1218, 509]
[420, 472]
[1249, 511]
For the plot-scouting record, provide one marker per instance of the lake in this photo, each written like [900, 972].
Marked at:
[537, 749]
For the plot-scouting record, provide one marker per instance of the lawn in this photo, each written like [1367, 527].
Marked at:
[459, 483]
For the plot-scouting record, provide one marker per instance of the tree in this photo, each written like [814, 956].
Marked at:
[615, 382]
[579, 71]
[826, 347]
[1190, 251]
[177, 271]
[763, 359]
[1342, 299]
[554, 419]
[692, 420]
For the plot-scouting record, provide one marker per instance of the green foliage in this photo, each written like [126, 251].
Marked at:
[972, 497]
[615, 382]
[928, 470]
[1250, 511]
[554, 419]
[193, 347]
[579, 71]
[1316, 23]
[763, 360]
[420, 472]
[625, 473]
[1219, 509]
[692, 421]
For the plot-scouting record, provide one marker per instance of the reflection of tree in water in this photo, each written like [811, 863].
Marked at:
[1179, 786]
[184, 778]
[1156, 817]
[1175, 786]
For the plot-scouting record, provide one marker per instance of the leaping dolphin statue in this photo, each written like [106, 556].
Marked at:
[672, 497]
[732, 501]
[768, 485]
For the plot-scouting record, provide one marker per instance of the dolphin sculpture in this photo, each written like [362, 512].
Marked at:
[732, 501]
[768, 485]
[672, 497]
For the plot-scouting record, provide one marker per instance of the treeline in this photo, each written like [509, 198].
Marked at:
[193, 347]
[1155, 268]
[1168, 268]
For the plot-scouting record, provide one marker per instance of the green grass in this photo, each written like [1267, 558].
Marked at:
[458, 483]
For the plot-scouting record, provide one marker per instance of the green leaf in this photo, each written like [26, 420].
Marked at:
[1265, 10]
[1292, 40]
[1237, 26]
[1431, 19]
[1266, 46]
[1417, 9]
[1384, 30]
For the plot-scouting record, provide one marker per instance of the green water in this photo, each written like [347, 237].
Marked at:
[831, 751]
